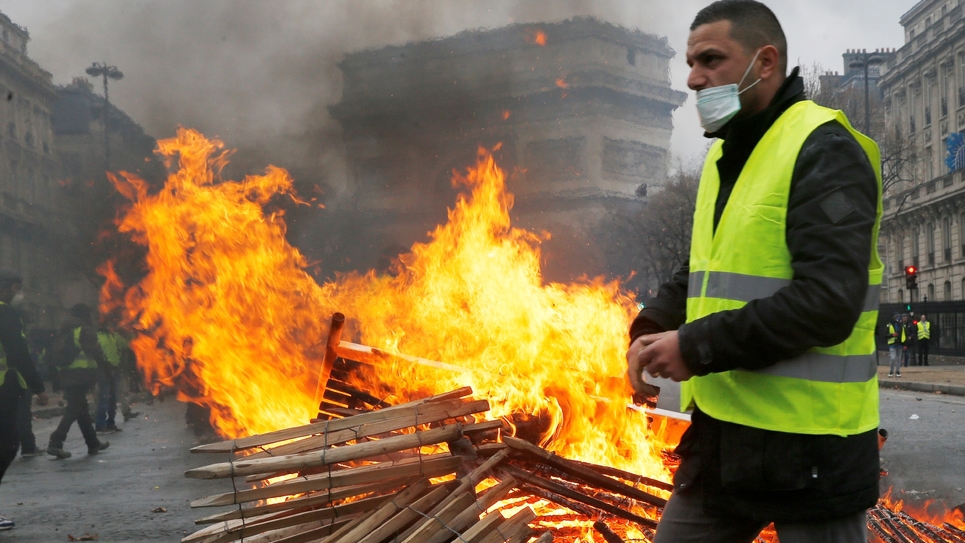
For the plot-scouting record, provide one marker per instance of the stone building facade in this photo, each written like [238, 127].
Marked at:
[923, 86]
[33, 233]
[582, 109]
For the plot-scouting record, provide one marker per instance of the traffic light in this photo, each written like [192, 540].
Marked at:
[911, 278]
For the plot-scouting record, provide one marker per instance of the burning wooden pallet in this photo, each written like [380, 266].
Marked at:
[411, 473]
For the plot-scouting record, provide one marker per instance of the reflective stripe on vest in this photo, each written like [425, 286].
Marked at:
[924, 330]
[830, 390]
[3, 362]
[83, 360]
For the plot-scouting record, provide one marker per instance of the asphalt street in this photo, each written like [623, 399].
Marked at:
[117, 495]
[925, 452]
[112, 495]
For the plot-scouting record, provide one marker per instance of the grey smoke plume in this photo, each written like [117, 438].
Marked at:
[260, 74]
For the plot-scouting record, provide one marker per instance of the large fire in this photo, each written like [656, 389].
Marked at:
[228, 314]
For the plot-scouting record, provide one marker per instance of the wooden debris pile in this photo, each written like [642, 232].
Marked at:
[411, 473]
[889, 525]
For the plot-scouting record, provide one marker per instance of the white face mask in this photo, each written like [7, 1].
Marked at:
[716, 106]
[17, 299]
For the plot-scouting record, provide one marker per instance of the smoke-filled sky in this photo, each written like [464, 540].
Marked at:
[260, 73]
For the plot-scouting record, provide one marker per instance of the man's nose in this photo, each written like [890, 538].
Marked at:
[696, 80]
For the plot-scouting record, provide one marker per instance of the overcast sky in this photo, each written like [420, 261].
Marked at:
[260, 73]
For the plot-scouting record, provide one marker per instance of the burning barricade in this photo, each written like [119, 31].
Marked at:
[226, 310]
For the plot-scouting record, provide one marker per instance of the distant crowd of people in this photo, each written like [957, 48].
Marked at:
[906, 338]
[79, 356]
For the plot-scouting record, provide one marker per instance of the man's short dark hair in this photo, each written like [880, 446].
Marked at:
[752, 24]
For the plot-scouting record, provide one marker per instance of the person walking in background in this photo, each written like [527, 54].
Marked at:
[110, 384]
[910, 338]
[896, 342]
[18, 374]
[77, 355]
[924, 340]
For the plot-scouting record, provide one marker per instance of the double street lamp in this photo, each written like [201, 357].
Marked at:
[101, 69]
[863, 59]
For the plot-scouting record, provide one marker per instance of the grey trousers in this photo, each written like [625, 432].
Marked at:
[684, 521]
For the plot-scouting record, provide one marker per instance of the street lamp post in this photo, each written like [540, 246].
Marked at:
[101, 69]
[864, 60]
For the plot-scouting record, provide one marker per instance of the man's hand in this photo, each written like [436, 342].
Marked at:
[42, 398]
[659, 355]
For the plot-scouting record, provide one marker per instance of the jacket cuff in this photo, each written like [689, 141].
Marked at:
[696, 347]
[645, 324]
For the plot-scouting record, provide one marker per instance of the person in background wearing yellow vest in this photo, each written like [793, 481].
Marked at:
[17, 372]
[78, 373]
[924, 340]
[910, 339]
[896, 343]
[769, 325]
[110, 385]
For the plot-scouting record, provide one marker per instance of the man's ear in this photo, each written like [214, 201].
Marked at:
[770, 62]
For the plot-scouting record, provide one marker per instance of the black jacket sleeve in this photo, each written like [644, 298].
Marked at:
[18, 353]
[830, 221]
[667, 310]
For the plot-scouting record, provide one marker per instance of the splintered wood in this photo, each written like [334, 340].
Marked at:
[423, 472]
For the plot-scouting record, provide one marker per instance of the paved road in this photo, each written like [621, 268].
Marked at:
[113, 494]
[925, 456]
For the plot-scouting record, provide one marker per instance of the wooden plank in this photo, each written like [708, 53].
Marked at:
[556, 488]
[582, 472]
[470, 514]
[324, 426]
[305, 502]
[422, 414]
[471, 479]
[424, 529]
[429, 466]
[295, 462]
[298, 505]
[383, 513]
[406, 516]
[378, 357]
[513, 526]
[477, 532]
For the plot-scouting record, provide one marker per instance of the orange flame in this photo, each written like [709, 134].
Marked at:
[228, 313]
[536, 36]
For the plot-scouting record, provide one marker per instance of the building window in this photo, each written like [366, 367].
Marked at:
[931, 291]
[900, 252]
[911, 124]
[916, 248]
[961, 233]
[948, 291]
[947, 239]
[944, 107]
[927, 115]
[930, 243]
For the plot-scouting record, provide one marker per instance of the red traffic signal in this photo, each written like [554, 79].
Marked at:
[911, 277]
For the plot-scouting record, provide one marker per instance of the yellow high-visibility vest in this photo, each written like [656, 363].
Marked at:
[112, 344]
[3, 363]
[827, 390]
[83, 360]
[924, 330]
[892, 335]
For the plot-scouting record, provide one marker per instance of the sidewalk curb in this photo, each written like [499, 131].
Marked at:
[954, 390]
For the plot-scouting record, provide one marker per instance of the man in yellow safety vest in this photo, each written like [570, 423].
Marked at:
[924, 339]
[769, 325]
